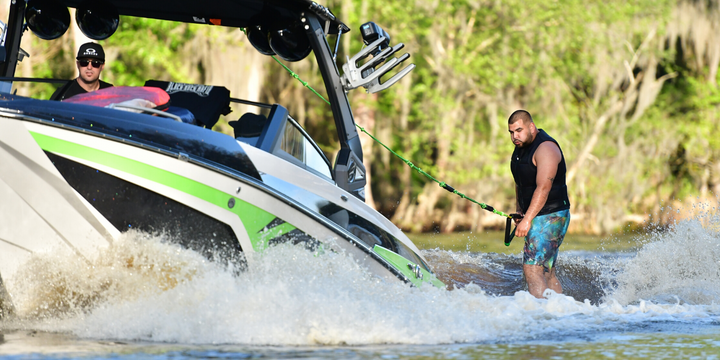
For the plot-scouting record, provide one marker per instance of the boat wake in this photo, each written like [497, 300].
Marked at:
[142, 289]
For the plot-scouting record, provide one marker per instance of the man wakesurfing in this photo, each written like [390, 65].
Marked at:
[538, 167]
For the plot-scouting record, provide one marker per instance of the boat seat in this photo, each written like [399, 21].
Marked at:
[249, 127]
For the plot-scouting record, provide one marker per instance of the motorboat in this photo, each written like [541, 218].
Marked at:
[77, 175]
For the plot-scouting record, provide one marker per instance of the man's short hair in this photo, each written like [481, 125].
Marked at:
[520, 115]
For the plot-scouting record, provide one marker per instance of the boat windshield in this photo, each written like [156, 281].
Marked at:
[273, 130]
[297, 143]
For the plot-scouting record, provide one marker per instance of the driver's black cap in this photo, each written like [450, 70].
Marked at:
[91, 51]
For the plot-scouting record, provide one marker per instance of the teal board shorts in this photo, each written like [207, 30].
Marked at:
[545, 236]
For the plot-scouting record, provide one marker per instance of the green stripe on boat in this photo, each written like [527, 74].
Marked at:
[253, 218]
[402, 263]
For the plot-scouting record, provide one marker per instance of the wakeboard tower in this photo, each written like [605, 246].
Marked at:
[78, 173]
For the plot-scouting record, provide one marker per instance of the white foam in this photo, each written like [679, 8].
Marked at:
[289, 297]
[680, 264]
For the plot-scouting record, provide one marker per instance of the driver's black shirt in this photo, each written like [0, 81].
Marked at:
[73, 88]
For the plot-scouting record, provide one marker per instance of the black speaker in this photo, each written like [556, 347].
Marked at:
[290, 44]
[97, 19]
[47, 19]
[258, 37]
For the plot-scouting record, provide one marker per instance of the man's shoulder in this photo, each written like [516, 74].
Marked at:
[104, 85]
[548, 150]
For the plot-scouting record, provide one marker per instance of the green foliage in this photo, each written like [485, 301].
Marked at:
[149, 49]
[41, 68]
[523, 47]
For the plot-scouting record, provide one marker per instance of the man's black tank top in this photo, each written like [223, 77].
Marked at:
[525, 173]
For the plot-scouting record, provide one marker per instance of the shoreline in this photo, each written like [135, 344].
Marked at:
[493, 241]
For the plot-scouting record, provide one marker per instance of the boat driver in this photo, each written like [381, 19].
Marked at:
[538, 167]
[90, 62]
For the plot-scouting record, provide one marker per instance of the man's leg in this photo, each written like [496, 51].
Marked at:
[535, 278]
[552, 281]
[540, 252]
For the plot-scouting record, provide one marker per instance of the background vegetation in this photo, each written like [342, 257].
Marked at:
[629, 89]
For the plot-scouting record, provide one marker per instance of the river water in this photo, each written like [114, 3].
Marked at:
[146, 299]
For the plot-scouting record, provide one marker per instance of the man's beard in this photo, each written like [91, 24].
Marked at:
[523, 144]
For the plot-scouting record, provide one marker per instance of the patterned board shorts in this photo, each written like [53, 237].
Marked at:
[544, 238]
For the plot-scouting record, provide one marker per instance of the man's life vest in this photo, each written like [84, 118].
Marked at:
[525, 173]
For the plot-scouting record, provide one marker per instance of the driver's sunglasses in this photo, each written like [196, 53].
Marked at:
[95, 63]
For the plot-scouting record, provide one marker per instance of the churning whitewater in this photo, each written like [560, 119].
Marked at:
[146, 289]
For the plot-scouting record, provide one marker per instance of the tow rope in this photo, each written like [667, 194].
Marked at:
[508, 222]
